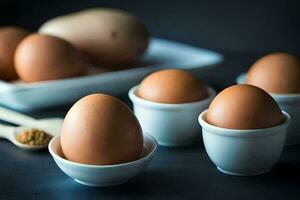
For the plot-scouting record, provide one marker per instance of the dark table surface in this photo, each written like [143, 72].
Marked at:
[175, 173]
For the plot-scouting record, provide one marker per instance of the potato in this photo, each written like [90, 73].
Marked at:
[109, 37]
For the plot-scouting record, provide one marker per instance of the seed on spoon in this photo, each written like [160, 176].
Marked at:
[34, 137]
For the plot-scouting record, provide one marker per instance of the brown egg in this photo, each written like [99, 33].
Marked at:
[10, 37]
[100, 129]
[276, 73]
[41, 57]
[244, 107]
[172, 86]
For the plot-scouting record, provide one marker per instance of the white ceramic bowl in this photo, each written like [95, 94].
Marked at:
[170, 124]
[291, 104]
[103, 175]
[244, 152]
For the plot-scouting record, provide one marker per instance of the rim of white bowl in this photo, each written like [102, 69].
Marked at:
[241, 80]
[243, 132]
[55, 156]
[135, 99]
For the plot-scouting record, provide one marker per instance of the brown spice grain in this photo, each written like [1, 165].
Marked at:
[34, 137]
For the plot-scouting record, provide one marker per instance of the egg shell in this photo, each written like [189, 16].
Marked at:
[172, 86]
[111, 37]
[10, 37]
[244, 107]
[42, 57]
[100, 129]
[276, 73]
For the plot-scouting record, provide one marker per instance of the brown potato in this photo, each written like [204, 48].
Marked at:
[110, 37]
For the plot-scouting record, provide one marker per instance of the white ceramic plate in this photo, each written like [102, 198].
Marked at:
[161, 54]
[241, 78]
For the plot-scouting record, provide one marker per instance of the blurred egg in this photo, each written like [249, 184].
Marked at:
[100, 129]
[10, 36]
[42, 57]
[109, 36]
[244, 107]
[172, 86]
[276, 73]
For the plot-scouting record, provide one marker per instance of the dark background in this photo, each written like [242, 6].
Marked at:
[229, 25]
[241, 30]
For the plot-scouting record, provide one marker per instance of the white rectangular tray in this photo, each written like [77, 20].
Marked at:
[160, 54]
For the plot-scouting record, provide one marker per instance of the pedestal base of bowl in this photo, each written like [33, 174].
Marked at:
[252, 173]
[177, 144]
[107, 184]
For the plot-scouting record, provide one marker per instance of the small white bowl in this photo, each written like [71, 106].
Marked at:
[170, 124]
[244, 152]
[291, 104]
[103, 175]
